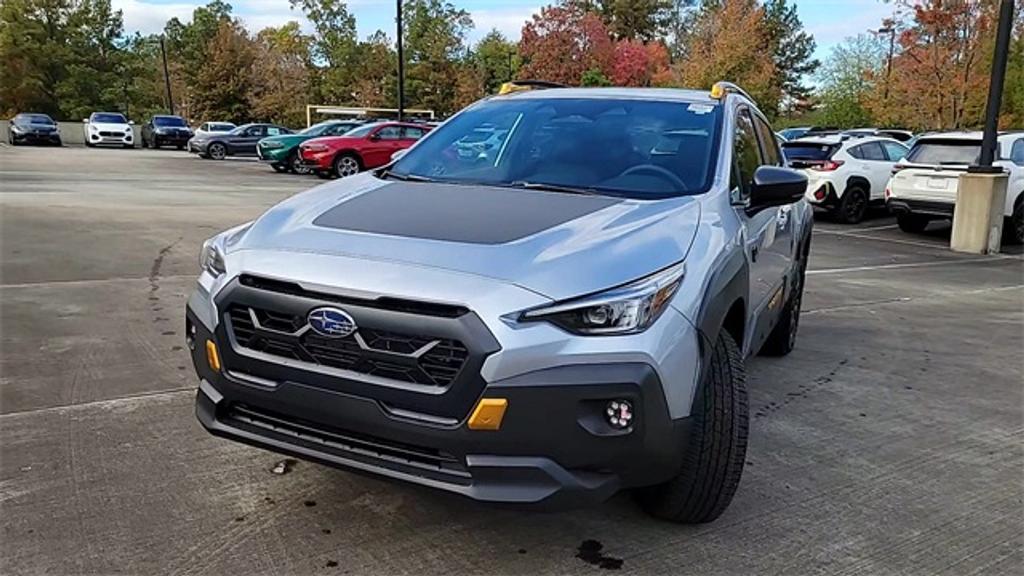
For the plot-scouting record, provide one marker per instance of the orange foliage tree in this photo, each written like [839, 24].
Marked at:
[562, 43]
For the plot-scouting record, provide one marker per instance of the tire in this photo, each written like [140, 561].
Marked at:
[128, 146]
[347, 165]
[324, 174]
[912, 223]
[279, 168]
[145, 144]
[295, 164]
[713, 459]
[852, 206]
[782, 339]
[90, 145]
[181, 146]
[1013, 228]
[217, 151]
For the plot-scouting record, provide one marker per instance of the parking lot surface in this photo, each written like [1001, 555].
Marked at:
[891, 441]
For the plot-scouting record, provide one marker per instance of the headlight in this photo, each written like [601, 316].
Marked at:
[315, 148]
[271, 145]
[623, 310]
[16, 129]
[210, 258]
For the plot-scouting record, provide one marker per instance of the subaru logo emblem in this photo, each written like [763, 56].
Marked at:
[331, 322]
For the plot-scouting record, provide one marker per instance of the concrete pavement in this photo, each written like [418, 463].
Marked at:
[890, 442]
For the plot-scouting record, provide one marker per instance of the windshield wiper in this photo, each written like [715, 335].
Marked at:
[553, 188]
[405, 177]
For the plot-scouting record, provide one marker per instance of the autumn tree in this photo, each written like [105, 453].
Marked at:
[563, 42]
[939, 75]
[222, 88]
[374, 72]
[726, 42]
[280, 77]
[639, 64]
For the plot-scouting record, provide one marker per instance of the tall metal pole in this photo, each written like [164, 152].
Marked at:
[401, 64]
[167, 76]
[995, 90]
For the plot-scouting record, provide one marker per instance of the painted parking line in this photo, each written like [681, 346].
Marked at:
[927, 264]
[940, 246]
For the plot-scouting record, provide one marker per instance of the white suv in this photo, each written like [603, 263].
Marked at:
[108, 128]
[845, 173]
[924, 185]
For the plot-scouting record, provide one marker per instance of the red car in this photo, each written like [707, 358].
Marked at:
[364, 148]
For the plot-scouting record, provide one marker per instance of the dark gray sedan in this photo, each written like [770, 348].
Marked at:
[239, 142]
[33, 129]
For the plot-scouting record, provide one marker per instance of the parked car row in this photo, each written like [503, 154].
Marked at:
[848, 172]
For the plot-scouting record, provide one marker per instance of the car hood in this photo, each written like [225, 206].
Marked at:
[331, 140]
[286, 139]
[555, 244]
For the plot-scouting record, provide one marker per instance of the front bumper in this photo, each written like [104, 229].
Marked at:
[110, 139]
[171, 139]
[317, 161]
[272, 155]
[553, 449]
[36, 137]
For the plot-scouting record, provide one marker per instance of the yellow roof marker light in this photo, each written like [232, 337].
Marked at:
[722, 88]
[488, 414]
[212, 358]
[527, 85]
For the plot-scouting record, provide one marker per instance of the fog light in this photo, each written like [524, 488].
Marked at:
[619, 414]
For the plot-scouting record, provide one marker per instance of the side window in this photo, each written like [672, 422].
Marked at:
[857, 152]
[895, 151]
[337, 129]
[390, 133]
[254, 131]
[410, 133]
[873, 151]
[745, 154]
[1017, 152]
[769, 145]
[204, 127]
[274, 131]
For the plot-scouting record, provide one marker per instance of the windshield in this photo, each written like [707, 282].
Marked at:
[361, 131]
[104, 118]
[316, 129]
[945, 152]
[33, 119]
[642, 149]
[220, 127]
[168, 121]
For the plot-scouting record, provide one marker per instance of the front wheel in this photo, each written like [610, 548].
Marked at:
[782, 338]
[217, 151]
[1014, 225]
[296, 165]
[911, 223]
[346, 165]
[713, 459]
[279, 168]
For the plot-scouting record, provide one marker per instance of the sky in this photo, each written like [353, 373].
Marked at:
[829, 20]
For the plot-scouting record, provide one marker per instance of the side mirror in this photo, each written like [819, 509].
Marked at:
[85, 120]
[776, 186]
[398, 154]
[131, 122]
[374, 137]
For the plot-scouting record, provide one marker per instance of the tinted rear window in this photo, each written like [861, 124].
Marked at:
[945, 152]
[808, 151]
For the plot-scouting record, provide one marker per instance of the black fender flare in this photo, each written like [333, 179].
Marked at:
[860, 181]
[729, 285]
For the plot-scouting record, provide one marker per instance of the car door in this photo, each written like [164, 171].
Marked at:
[381, 145]
[245, 143]
[873, 163]
[767, 263]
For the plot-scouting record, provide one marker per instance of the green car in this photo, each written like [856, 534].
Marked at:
[282, 152]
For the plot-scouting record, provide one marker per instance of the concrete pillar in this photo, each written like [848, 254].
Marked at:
[978, 218]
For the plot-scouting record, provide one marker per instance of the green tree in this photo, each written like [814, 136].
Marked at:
[280, 85]
[435, 43]
[594, 77]
[223, 87]
[496, 58]
[375, 72]
[792, 49]
[845, 82]
[334, 45]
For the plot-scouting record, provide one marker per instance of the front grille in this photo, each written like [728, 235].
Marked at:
[412, 358]
[371, 449]
[112, 134]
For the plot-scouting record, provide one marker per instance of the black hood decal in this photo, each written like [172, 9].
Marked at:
[458, 213]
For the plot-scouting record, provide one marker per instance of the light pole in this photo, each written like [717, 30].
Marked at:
[167, 76]
[401, 63]
[995, 90]
[889, 29]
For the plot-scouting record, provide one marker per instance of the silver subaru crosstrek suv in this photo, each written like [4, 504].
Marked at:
[561, 315]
